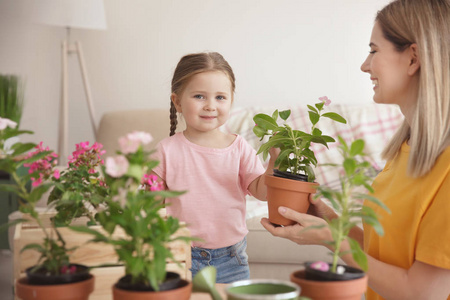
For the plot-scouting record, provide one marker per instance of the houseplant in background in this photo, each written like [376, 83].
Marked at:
[133, 209]
[293, 180]
[322, 280]
[53, 274]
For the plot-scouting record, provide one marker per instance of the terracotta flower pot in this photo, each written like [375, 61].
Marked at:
[70, 291]
[330, 290]
[288, 193]
[182, 292]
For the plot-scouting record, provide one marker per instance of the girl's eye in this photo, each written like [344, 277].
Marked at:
[220, 98]
[372, 52]
[198, 97]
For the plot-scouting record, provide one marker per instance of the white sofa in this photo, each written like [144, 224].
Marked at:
[272, 257]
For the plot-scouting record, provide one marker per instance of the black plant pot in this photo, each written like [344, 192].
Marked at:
[289, 175]
[172, 281]
[317, 275]
[40, 276]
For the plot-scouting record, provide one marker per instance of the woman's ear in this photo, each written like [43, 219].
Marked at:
[176, 102]
[414, 64]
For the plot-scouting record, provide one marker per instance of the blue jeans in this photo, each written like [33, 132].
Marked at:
[231, 262]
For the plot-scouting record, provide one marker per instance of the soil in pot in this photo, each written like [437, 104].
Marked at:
[70, 291]
[181, 292]
[172, 281]
[330, 290]
[350, 273]
[40, 276]
[288, 193]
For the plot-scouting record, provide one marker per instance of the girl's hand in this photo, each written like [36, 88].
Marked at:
[309, 230]
[274, 152]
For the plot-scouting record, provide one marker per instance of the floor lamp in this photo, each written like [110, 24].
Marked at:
[84, 14]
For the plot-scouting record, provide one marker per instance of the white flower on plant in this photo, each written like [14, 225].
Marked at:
[116, 166]
[131, 142]
[4, 122]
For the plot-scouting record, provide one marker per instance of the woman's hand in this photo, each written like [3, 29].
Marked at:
[309, 230]
[319, 209]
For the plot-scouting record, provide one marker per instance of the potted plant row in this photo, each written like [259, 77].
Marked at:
[53, 275]
[293, 180]
[118, 195]
[322, 280]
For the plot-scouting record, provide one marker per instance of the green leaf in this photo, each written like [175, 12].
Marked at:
[285, 114]
[313, 109]
[259, 131]
[313, 117]
[349, 166]
[12, 188]
[319, 105]
[357, 147]
[358, 254]
[265, 122]
[135, 171]
[335, 117]
[20, 148]
[317, 132]
[328, 139]
[374, 200]
[275, 115]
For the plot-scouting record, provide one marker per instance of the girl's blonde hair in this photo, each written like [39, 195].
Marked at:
[190, 65]
[425, 23]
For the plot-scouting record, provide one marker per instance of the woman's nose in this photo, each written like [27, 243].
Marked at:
[365, 65]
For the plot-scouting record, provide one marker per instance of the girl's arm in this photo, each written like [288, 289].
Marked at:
[420, 281]
[258, 188]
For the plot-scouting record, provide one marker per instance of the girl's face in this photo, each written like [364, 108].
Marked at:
[205, 101]
[394, 74]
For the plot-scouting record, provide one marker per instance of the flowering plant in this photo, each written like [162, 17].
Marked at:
[54, 257]
[347, 201]
[133, 206]
[79, 189]
[296, 158]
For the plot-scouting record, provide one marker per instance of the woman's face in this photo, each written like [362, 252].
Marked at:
[394, 74]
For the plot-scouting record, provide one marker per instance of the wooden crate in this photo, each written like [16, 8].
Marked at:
[91, 254]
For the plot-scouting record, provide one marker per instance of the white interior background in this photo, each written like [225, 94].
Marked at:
[283, 52]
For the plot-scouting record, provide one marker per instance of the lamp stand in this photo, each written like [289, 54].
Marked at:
[63, 137]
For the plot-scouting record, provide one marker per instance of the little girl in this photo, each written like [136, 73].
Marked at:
[216, 169]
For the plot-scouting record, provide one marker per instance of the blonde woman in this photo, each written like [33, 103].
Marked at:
[409, 65]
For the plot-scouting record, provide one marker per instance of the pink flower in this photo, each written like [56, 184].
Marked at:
[56, 174]
[116, 166]
[320, 265]
[43, 167]
[127, 145]
[7, 123]
[325, 100]
[131, 142]
[150, 182]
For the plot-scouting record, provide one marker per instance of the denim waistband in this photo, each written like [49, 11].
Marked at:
[204, 253]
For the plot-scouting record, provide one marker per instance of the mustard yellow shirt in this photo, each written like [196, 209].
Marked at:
[418, 227]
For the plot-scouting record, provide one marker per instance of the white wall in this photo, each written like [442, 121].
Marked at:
[282, 52]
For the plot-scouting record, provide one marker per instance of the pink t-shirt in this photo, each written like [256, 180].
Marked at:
[216, 181]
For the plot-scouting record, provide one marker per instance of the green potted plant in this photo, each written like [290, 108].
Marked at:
[293, 180]
[53, 275]
[322, 280]
[79, 191]
[133, 208]
[11, 103]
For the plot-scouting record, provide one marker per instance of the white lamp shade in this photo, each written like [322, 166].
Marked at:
[87, 14]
